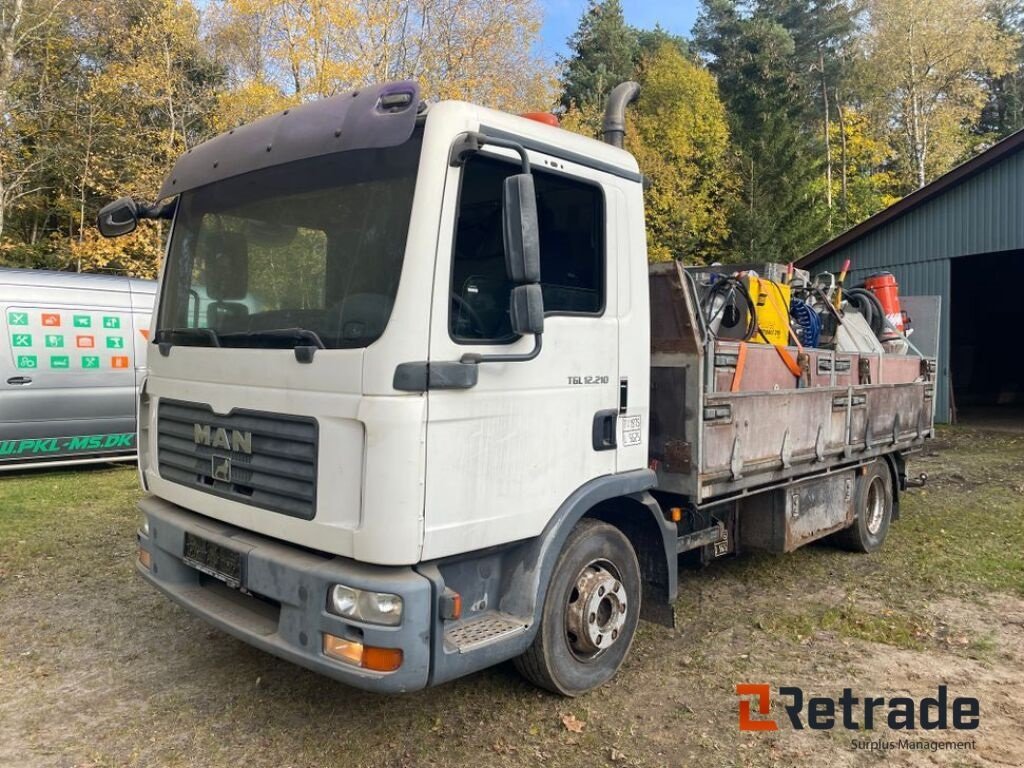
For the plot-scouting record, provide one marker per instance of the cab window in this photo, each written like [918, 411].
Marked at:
[571, 218]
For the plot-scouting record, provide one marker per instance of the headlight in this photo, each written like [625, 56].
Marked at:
[361, 605]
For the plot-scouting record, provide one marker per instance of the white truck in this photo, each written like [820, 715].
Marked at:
[420, 424]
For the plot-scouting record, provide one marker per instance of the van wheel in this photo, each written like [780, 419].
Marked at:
[590, 612]
[873, 511]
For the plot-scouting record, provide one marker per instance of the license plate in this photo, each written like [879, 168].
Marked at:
[214, 560]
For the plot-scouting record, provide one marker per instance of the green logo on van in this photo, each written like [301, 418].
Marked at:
[82, 321]
[115, 342]
[22, 340]
[17, 318]
[60, 361]
[111, 322]
[90, 362]
[54, 340]
[28, 361]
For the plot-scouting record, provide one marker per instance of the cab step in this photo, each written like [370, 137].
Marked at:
[478, 631]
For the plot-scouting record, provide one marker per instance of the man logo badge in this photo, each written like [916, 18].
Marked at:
[221, 469]
[236, 440]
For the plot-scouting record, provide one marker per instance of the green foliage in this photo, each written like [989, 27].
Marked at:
[603, 53]
[679, 134]
[1004, 111]
[99, 97]
[779, 214]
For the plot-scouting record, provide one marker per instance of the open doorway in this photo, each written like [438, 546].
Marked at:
[986, 325]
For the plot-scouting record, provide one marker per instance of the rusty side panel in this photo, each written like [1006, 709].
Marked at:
[787, 518]
[676, 379]
[674, 323]
[708, 441]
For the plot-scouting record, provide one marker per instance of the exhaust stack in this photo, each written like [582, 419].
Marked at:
[613, 130]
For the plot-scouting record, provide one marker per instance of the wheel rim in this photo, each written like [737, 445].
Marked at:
[875, 508]
[596, 610]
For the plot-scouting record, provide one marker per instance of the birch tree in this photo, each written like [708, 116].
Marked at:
[924, 66]
[21, 23]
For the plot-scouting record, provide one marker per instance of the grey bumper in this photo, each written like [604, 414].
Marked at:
[291, 621]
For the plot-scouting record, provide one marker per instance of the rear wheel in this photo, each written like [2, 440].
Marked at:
[873, 508]
[590, 612]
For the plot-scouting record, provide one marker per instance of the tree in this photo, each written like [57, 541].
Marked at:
[285, 51]
[865, 185]
[679, 134]
[22, 23]
[108, 94]
[924, 67]
[779, 214]
[1004, 111]
[649, 41]
[822, 32]
[603, 52]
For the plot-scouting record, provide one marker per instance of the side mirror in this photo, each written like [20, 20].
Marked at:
[227, 268]
[527, 309]
[118, 218]
[520, 229]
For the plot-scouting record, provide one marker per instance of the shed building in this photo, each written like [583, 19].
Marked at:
[960, 238]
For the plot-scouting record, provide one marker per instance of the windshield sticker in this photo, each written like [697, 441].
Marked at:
[39, 338]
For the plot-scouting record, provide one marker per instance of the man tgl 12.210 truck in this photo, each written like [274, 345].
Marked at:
[405, 417]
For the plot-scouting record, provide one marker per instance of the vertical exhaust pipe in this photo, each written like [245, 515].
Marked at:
[613, 130]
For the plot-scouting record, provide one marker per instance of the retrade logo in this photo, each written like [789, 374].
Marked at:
[855, 713]
[762, 695]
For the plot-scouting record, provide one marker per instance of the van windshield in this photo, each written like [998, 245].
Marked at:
[304, 253]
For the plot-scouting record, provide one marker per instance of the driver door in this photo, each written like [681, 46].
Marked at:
[504, 454]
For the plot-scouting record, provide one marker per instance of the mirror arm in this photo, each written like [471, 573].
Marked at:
[473, 358]
[158, 210]
[472, 142]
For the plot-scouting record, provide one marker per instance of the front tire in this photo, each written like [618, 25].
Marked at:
[874, 503]
[590, 612]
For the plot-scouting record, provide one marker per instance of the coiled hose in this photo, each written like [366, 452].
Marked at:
[806, 322]
[865, 302]
[728, 288]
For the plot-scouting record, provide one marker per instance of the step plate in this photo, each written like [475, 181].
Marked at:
[483, 630]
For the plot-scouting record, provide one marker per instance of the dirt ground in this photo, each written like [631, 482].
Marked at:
[97, 669]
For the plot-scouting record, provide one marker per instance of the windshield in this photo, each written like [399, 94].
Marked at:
[304, 253]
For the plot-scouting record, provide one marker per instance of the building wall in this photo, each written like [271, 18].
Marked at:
[983, 214]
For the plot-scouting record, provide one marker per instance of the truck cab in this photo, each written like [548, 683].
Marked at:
[395, 422]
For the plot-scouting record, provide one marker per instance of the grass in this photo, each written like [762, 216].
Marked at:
[885, 625]
[47, 514]
[98, 669]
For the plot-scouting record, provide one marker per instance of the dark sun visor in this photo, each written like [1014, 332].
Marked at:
[372, 118]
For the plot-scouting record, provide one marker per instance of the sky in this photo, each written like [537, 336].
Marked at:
[562, 16]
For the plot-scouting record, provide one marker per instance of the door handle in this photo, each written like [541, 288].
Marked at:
[604, 429]
[16, 380]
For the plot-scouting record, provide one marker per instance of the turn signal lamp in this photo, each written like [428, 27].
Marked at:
[365, 656]
[676, 513]
[542, 117]
[144, 558]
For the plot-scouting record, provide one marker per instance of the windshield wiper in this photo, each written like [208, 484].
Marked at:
[165, 337]
[273, 334]
[305, 342]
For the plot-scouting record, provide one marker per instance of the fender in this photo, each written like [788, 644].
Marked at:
[530, 572]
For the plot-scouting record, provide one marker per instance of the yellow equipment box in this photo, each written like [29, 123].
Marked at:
[772, 302]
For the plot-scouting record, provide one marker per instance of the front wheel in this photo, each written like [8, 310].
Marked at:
[590, 612]
[874, 503]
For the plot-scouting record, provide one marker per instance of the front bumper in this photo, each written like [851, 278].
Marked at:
[292, 618]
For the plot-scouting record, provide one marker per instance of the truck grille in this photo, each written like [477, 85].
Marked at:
[262, 459]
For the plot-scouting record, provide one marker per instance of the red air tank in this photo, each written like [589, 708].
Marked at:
[887, 291]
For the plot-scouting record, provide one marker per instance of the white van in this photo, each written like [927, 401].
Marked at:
[72, 356]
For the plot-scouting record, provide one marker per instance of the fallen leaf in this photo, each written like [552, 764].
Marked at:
[572, 724]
